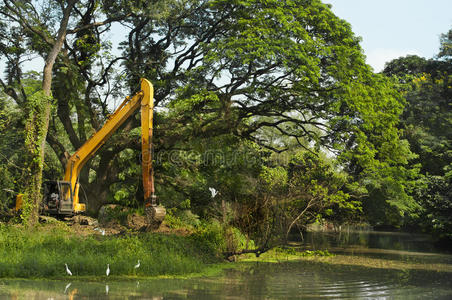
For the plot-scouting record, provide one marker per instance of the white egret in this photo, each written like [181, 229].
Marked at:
[102, 231]
[137, 265]
[213, 192]
[67, 270]
[108, 270]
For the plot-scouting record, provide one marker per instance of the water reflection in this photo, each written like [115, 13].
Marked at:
[67, 286]
[368, 239]
[392, 245]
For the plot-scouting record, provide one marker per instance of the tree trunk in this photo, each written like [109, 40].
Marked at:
[97, 195]
[34, 133]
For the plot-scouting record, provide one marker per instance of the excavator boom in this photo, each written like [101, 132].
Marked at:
[143, 98]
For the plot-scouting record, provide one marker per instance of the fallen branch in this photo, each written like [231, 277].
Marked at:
[257, 252]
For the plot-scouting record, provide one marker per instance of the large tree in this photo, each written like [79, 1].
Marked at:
[242, 66]
[24, 16]
[35, 28]
[221, 68]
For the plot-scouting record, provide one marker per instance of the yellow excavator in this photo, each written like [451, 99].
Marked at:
[61, 198]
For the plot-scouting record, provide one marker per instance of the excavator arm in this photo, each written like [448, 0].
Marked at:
[147, 115]
[143, 98]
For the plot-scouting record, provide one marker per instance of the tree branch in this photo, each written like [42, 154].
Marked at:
[257, 252]
[98, 24]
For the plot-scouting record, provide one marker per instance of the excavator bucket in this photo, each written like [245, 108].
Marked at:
[155, 215]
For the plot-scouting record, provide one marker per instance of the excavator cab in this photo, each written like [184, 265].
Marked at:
[58, 198]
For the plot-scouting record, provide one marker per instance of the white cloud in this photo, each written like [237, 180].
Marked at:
[378, 57]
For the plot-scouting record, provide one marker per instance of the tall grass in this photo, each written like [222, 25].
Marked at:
[44, 251]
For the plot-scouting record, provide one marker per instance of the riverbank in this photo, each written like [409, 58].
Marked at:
[44, 251]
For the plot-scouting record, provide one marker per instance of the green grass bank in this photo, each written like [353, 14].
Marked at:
[42, 253]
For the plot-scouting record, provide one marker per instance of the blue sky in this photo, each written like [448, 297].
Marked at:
[389, 28]
[394, 28]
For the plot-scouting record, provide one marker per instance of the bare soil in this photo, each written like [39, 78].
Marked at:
[85, 226]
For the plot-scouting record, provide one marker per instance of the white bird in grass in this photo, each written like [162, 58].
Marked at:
[108, 270]
[213, 192]
[67, 270]
[137, 265]
[102, 231]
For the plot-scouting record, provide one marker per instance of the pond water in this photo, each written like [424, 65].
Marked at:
[376, 244]
[283, 280]
[367, 239]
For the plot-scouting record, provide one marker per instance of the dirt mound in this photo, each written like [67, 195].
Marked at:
[164, 228]
[121, 223]
[113, 220]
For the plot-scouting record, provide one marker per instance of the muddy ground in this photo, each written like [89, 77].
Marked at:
[85, 226]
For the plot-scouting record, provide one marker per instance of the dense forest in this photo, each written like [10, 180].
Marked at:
[270, 103]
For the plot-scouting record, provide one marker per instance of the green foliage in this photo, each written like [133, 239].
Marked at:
[286, 250]
[7, 186]
[223, 238]
[428, 122]
[319, 190]
[376, 156]
[435, 197]
[276, 73]
[293, 192]
[427, 117]
[182, 218]
[404, 66]
[186, 101]
[173, 221]
[446, 46]
[11, 152]
[306, 253]
[275, 178]
[211, 234]
[16, 136]
[35, 133]
[316, 253]
[427, 125]
[235, 240]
